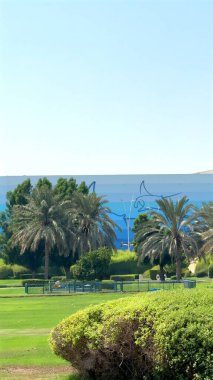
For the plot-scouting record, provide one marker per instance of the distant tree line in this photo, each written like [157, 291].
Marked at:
[60, 222]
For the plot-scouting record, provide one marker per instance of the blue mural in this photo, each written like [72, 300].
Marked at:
[130, 195]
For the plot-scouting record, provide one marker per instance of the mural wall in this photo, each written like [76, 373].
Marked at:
[129, 195]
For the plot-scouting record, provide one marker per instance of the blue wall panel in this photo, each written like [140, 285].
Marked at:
[130, 195]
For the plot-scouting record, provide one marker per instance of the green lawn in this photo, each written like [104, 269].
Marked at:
[12, 291]
[25, 323]
[11, 282]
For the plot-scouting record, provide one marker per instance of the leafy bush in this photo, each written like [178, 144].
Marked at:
[19, 271]
[211, 270]
[5, 271]
[93, 265]
[123, 277]
[151, 337]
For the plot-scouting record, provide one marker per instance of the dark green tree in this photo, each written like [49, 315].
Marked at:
[67, 187]
[19, 195]
[44, 182]
[11, 255]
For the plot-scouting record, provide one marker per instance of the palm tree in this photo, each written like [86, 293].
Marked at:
[206, 214]
[40, 220]
[145, 229]
[175, 233]
[89, 218]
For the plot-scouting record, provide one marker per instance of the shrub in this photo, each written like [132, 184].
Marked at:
[211, 270]
[151, 337]
[19, 271]
[123, 277]
[5, 271]
[93, 265]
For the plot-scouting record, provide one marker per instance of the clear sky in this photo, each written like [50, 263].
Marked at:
[106, 87]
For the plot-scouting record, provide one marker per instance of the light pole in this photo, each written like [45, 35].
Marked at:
[127, 220]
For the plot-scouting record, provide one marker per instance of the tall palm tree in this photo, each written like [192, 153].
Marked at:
[145, 229]
[40, 220]
[90, 220]
[176, 232]
[206, 214]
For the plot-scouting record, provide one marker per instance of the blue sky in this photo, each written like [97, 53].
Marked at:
[106, 87]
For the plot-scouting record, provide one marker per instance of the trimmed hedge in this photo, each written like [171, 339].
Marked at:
[164, 335]
[125, 262]
[123, 277]
[157, 336]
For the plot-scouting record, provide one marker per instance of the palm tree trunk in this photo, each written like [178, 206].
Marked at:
[46, 261]
[161, 273]
[67, 272]
[178, 262]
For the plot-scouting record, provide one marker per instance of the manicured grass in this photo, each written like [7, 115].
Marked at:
[11, 282]
[12, 291]
[25, 323]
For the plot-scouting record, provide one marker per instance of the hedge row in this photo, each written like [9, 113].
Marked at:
[157, 336]
[123, 277]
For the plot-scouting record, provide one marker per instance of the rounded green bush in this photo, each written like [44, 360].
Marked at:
[162, 335]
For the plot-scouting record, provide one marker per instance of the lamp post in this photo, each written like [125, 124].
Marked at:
[127, 220]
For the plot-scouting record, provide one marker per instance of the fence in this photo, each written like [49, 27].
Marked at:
[98, 286]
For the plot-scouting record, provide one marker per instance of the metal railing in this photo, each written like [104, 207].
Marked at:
[67, 287]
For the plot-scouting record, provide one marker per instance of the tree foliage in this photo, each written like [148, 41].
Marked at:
[172, 232]
[94, 265]
[206, 214]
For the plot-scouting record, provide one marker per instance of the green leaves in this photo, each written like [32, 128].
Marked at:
[170, 231]
[149, 337]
